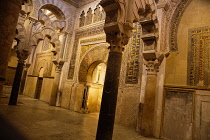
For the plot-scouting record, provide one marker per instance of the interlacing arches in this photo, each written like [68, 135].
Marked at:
[54, 38]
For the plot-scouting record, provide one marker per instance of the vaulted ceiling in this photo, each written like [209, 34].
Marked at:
[79, 2]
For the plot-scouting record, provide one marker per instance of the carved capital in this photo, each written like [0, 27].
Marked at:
[22, 55]
[58, 65]
[117, 39]
[152, 67]
[117, 29]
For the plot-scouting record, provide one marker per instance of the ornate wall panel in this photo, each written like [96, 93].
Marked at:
[175, 24]
[133, 64]
[198, 57]
[79, 34]
[177, 123]
[43, 60]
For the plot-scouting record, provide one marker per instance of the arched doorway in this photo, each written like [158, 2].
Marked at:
[94, 87]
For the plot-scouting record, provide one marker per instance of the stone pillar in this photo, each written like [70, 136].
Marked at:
[9, 13]
[148, 114]
[118, 31]
[23, 79]
[109, 97]
[22, 56]
[55, 90]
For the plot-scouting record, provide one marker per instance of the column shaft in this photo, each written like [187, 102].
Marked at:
[9, 12]
[23, 80]
[149, 106]
[109, 97]
[16, 84]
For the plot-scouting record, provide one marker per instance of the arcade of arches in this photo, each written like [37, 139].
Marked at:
[63, 51]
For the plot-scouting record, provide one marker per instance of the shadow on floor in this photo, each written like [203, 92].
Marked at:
[8, 131]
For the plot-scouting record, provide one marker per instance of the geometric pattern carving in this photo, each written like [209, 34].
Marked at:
[46, 44]
[198, 57]
[79, 34]
[175, 24]
[132, 73]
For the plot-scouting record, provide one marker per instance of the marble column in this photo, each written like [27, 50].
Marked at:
[9, 13]
[110, 92]
[22, 56]
[147, 123]
[56, 82]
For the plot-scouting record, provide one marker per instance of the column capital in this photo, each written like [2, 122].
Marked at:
[117, 41]
[22, 55]
[58, 65]
[152, 66]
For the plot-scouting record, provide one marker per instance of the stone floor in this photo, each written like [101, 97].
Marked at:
[32, 119]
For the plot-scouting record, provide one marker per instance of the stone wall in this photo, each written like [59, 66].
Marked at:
[178, 114]
[46, 89]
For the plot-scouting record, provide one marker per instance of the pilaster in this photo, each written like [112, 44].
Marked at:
[55, 95]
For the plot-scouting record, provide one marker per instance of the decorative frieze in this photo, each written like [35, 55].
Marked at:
[175, 24]
[93, 39]
[198, 57]
[134, 62]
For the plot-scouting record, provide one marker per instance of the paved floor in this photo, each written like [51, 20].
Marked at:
[32, 119]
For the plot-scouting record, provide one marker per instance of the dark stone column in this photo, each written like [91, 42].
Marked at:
[109, 97]
[22, 56]
[9, 13]
[23, 79]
